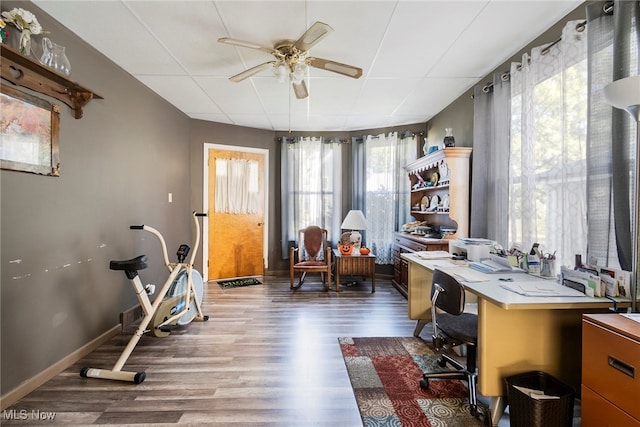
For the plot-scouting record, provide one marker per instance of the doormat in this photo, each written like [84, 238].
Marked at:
[237, 283]
[385, 375]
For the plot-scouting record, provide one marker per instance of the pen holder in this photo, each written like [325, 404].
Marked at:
[547, 267]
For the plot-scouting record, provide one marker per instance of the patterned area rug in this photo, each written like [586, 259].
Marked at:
[385, 375]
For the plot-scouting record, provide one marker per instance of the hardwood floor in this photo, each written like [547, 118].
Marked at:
[266, 357]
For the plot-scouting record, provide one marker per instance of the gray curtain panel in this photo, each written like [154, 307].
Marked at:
[613, 40]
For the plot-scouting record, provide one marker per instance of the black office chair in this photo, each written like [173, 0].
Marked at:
[453, 327]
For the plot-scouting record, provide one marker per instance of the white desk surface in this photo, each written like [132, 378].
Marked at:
[488, 286]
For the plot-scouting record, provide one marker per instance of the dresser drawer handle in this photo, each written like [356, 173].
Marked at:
[625, 368]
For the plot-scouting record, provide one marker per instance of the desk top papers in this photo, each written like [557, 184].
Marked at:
[433, 254]
[541, 289]
[632, 316]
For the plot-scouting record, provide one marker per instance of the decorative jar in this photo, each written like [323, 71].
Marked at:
[449, 140]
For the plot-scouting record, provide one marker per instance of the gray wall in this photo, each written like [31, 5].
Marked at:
[58, 234]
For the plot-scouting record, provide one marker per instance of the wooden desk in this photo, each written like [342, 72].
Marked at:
[355, 265]
[516, 333]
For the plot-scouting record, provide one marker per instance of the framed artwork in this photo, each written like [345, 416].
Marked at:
[29, 128]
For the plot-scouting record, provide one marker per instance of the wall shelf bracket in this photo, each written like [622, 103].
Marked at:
[23, 71]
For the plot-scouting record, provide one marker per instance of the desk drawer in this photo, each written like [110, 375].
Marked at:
[598, 412]
[611, 366]
[409, 244]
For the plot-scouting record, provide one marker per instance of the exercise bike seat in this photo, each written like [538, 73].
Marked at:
[130, 266]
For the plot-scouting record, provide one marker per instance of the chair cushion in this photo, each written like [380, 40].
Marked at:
[462, 328]
[304, 264]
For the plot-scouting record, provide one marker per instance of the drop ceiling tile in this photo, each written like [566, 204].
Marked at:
[259, 121]
[420, 34]
[432, 95]
[94, 22]
[400, 45]
[502, 37]
[182, 35]
[182, 92]
[231, 97]
[383, 96]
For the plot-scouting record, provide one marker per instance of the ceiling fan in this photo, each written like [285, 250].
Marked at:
[292, 59]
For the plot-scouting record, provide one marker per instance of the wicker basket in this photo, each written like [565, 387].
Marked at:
[526, 411]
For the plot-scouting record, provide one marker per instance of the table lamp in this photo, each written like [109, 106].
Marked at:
[625, 95]
[354, 221]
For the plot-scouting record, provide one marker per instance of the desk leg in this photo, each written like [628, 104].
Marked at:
[373, 276]
[419, 326]
[373, 280]
[498, 403]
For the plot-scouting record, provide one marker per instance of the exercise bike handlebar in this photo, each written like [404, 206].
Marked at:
[163, 244]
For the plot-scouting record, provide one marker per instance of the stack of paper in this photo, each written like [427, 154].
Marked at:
[433, 254]
[536, 394]
[542, 289]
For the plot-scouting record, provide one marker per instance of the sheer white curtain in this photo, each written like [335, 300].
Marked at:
[547, 191]
[236, 186]
[387, 189]
[311, 187]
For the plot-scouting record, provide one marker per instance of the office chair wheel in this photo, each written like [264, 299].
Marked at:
[442, 362]
[424, 384]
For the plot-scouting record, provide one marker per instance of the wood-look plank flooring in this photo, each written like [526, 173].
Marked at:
[267, 357]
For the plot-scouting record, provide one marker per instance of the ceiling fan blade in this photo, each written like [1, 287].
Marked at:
[251, 71]
[250, 45]
[313, 35]
[336, 67]
[300, 90]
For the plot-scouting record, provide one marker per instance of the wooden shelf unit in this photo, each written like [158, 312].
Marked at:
[455, 184]
[23, 71]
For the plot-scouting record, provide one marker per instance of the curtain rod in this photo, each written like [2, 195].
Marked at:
[607, 8]
[325, 139]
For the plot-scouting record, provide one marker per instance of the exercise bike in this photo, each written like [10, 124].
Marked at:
[178, 302]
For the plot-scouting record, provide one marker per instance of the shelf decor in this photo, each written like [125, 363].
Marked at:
[29, 129]
[23, 24]
[23, 71]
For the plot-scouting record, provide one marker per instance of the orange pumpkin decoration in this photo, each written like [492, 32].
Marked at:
[345, 249]
[364, 251]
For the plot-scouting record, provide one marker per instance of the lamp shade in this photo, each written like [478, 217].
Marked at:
[354, 221]
[625, 94]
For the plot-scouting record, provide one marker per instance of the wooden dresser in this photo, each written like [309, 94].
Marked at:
[610, 371]
[406, 243]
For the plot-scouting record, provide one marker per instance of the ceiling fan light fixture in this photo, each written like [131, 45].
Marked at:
[281, 71]
[292, 60]
[299, 72]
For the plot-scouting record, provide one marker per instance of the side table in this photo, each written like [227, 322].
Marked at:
[355, 265]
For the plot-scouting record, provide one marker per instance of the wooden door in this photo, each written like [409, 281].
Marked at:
[235, 241]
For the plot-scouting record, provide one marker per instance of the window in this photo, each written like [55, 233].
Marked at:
[387, 190]
[547, 166]
[311, 187]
